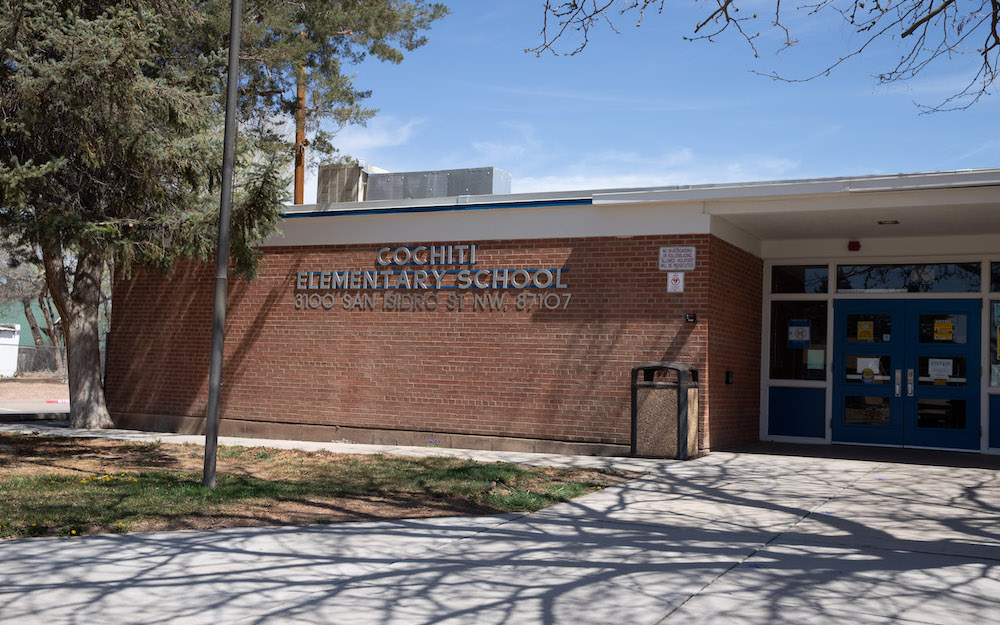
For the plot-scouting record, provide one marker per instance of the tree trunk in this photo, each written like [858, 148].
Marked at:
[29, 314]
[79, 310]
[50, 330]
[86, 388]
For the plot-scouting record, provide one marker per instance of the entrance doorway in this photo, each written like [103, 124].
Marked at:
[906, 372]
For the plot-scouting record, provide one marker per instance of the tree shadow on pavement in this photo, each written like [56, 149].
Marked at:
[730, 538]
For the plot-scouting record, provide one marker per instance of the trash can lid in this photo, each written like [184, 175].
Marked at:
[676, 366]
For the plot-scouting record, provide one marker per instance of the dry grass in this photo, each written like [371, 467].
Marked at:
[65, 486]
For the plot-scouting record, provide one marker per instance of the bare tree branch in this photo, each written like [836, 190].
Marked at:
[934, 33]
[925, 19]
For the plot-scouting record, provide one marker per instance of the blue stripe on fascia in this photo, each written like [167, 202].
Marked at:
[436, 209]
[455, 271]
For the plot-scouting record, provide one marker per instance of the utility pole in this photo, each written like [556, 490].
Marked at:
[222, 261]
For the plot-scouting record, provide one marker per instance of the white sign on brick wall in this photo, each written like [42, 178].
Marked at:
[675, 282]
[677, 259]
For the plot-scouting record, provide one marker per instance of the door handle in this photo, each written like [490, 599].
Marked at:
[909, 382]
[899, 382]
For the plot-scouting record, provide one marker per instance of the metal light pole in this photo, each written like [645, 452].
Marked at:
[222, 261]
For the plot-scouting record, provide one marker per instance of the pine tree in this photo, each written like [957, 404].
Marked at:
[111, 133]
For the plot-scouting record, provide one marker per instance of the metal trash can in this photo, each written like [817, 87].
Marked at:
[664, 412]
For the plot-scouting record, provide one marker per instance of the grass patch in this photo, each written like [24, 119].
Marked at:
[152, 445]
[71, 487]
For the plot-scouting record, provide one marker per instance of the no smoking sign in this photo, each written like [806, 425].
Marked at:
[675, 282]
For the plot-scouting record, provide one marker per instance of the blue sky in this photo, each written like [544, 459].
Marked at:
[647, 108]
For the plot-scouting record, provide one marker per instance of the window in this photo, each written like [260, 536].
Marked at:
[912, 278]
[798, 340]
[994, 313]
[799, 279]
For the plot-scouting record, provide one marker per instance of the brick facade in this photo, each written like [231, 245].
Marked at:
[734, 309]
[543, 376]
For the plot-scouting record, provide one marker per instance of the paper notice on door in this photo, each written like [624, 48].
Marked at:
[939, 368]
[994, 375]
[870, 364]
[815, 359]
[866, 330]
[944, 331]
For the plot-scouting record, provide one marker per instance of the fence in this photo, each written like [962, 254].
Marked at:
[41, 359]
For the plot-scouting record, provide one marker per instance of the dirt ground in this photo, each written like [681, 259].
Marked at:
[21, 389]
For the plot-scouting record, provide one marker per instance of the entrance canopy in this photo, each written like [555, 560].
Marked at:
[817, 216]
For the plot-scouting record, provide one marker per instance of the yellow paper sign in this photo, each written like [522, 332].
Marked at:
[944, 331]
[866, 330]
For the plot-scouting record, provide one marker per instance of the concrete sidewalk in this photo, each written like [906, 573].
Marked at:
[60, 428]
[732, 538]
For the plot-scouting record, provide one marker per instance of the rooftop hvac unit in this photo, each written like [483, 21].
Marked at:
[439, 183]
[356, 183]
[341, 183]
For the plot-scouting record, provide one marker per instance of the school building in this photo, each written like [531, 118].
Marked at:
[861, 310]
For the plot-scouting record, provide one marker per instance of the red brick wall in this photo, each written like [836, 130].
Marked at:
[543, 374]
[736, 287]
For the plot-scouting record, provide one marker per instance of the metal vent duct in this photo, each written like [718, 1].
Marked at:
[439, 183]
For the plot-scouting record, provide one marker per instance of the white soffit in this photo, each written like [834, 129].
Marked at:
[858, 223]
[939, 203]
[856, 213]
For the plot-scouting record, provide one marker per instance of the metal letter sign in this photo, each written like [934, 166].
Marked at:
[677, 259]
[675, 282]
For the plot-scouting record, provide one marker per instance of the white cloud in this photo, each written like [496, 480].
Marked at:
[381, 132]
[991, 145]
[683, 166]
[521, 141]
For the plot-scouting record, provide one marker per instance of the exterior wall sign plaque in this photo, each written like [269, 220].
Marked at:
[677, 258]
[432, 268]
[675, 282]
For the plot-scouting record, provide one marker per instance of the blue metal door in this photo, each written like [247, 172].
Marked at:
[942, 374]
[906, 372]
[868, 355]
